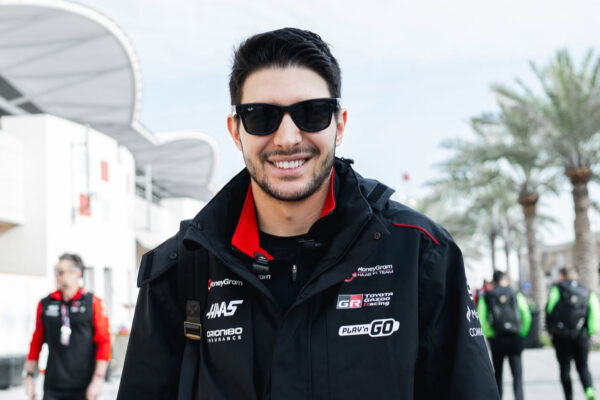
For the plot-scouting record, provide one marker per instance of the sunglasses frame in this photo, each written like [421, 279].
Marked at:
[239, 111]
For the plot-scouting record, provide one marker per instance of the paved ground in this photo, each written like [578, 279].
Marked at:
[539, 367]
[541, 376]
[18, 393]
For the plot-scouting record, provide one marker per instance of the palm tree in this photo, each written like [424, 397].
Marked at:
[569, 114]
[509, 136]
[480, 194]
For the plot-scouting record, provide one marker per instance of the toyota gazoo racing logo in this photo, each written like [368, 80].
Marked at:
[349, 301]
[223, 309]
[377, 328]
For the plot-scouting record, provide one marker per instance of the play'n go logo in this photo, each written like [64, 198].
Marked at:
[377, 328]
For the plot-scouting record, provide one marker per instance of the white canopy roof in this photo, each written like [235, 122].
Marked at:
[66, 59]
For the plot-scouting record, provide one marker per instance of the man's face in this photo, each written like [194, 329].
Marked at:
[289, 164]
[67, 275]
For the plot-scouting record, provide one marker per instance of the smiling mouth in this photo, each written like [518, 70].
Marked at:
[289, 164]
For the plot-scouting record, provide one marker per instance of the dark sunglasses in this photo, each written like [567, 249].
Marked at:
[60, 272]
[263, 118]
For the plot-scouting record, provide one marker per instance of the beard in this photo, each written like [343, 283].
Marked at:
[315, 182]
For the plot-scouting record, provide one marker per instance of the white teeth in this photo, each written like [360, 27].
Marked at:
[289, 164]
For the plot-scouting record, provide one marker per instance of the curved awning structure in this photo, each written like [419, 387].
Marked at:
[71, 61]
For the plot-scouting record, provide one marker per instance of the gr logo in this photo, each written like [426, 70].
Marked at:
[346, 301]
[377, 328]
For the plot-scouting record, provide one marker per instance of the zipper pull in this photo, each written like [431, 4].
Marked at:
[294, 272]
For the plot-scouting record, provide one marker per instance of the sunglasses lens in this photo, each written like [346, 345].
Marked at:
[261, 119]
[313, 115]
[310, 115]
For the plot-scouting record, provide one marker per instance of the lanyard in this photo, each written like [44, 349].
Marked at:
[65, 329]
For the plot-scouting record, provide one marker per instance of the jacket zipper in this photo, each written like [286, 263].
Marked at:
[294, 272]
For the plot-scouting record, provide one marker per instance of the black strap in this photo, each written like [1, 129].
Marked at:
[376, 192]
[194, 268]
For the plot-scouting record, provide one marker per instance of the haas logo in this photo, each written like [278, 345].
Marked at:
[223, 309]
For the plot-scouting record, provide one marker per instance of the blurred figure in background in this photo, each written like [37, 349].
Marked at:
[572, 316]
[505, 319]
[74, 325]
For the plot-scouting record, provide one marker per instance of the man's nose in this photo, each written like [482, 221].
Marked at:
[288, 134]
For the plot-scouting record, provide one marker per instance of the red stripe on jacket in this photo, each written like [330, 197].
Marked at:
[419, 228]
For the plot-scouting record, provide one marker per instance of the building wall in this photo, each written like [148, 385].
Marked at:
[23, 248]
[53, 162]
[12, 209]
[56, 174]
[552, 258]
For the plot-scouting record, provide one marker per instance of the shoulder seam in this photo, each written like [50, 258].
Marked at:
[419, 228]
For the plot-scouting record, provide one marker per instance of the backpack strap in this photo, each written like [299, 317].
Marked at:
[194, 267]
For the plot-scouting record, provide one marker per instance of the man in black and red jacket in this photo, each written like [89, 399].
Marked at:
[312, 283]
[74, 325]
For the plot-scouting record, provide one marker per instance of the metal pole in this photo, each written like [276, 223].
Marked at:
[148, 193]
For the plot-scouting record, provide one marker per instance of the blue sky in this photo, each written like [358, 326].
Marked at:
[413, 72]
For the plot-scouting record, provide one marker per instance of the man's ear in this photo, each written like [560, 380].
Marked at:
[233, 126]
[341, 125]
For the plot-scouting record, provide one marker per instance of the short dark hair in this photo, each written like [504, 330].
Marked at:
[74, 258]
[498, 275]
[568, 271]
[287, 47]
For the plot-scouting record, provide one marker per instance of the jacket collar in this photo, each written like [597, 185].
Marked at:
[245, 238]
[347, 223]
[57, 295]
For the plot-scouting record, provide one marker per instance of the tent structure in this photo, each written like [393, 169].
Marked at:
[69, 60]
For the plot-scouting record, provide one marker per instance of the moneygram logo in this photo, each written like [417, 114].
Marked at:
[223, 309]
[366, 272]
[377, 328]
[224, 282]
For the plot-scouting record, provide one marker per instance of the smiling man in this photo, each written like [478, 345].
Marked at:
[301, 279]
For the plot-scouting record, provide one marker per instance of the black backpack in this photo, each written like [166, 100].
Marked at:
[570, 313]
[503, 310]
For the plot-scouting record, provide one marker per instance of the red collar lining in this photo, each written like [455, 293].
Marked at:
[329, 204]
[245, 238]
[57, 295]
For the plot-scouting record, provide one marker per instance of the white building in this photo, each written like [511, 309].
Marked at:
[78, 172]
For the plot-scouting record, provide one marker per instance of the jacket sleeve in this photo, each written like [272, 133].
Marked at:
[453, 361]
[593, 314]
[553, 298]
[38, 336]
[153, 359]
[101, 331]
[482, 311]
[525, 315]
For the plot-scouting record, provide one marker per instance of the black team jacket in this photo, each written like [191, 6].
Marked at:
[385, 312]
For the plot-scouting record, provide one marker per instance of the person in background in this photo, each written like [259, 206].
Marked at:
[572, 316]
[505, 319]
[74, 325]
